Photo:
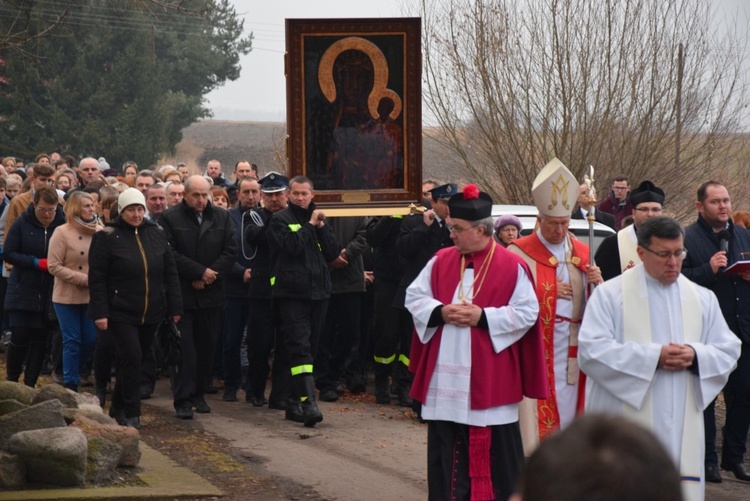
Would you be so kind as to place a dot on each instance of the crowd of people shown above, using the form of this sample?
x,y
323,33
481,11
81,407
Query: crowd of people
x,y
495,339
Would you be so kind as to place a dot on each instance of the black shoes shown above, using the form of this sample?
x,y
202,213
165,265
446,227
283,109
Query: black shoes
x,y
404,400
101,394
255,400
739,470
146,391
185,412
340,388
279,405
133,422
229,395
305,385
293,411
329,395
311,415
713,475
117,414
356,386
201,407
382,394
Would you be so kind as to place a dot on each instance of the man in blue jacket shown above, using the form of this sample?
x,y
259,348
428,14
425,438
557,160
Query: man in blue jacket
x,y
714,243
236,307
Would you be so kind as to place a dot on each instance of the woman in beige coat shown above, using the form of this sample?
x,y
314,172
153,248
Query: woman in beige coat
x,y
68,261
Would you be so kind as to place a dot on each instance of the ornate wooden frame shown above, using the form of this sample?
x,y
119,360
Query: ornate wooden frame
x,y
331,136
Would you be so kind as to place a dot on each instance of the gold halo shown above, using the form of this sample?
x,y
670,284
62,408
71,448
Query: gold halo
x,y
380,67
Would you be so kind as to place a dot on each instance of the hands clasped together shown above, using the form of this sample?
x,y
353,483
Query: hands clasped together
x,y
462,315
676,357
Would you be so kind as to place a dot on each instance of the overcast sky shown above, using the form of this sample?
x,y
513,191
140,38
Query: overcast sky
x,y
260,92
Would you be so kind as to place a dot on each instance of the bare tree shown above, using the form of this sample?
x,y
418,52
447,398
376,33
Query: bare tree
x,y
513,83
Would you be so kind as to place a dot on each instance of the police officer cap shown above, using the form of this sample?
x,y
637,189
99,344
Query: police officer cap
x,y
444,192
273,182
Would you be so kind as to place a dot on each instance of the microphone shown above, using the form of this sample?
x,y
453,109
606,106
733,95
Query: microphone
x,y
724,240
724,244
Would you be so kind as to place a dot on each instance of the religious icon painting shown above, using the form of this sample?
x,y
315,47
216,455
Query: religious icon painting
x,y
354,109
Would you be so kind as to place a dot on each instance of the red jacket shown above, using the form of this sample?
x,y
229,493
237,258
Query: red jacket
x,y
620,210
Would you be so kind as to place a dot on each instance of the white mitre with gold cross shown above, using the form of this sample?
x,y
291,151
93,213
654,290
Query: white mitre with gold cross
x,y
555,190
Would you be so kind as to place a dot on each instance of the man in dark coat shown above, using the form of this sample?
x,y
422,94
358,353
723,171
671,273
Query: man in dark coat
x,y
302,245
213,170
205,250
420,237
342,325
714,242
264,325
583,209
382,235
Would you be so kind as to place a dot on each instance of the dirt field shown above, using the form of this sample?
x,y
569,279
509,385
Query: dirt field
x,y
263,143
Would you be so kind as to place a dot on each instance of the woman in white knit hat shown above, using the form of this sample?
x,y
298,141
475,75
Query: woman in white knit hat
x,y
134,287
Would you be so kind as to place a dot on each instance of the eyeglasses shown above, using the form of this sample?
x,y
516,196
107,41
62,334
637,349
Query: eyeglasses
x,y
678,254
457,229
646,210
45,210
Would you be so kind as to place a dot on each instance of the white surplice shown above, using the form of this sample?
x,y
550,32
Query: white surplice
x,y
567,394
622,372
448,395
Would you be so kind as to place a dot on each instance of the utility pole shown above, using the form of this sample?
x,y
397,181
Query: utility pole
x,y
678,106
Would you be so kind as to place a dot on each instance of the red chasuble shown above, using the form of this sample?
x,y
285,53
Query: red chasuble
x,y
496,378
546,291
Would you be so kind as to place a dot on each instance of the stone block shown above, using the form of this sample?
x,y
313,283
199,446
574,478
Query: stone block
x,y
8,406
37,417
12,471
16,391
125,437
97,415
54,456
55,392
88,399
103,457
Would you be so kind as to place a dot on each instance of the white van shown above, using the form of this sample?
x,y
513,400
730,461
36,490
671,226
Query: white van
x,y
578,227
